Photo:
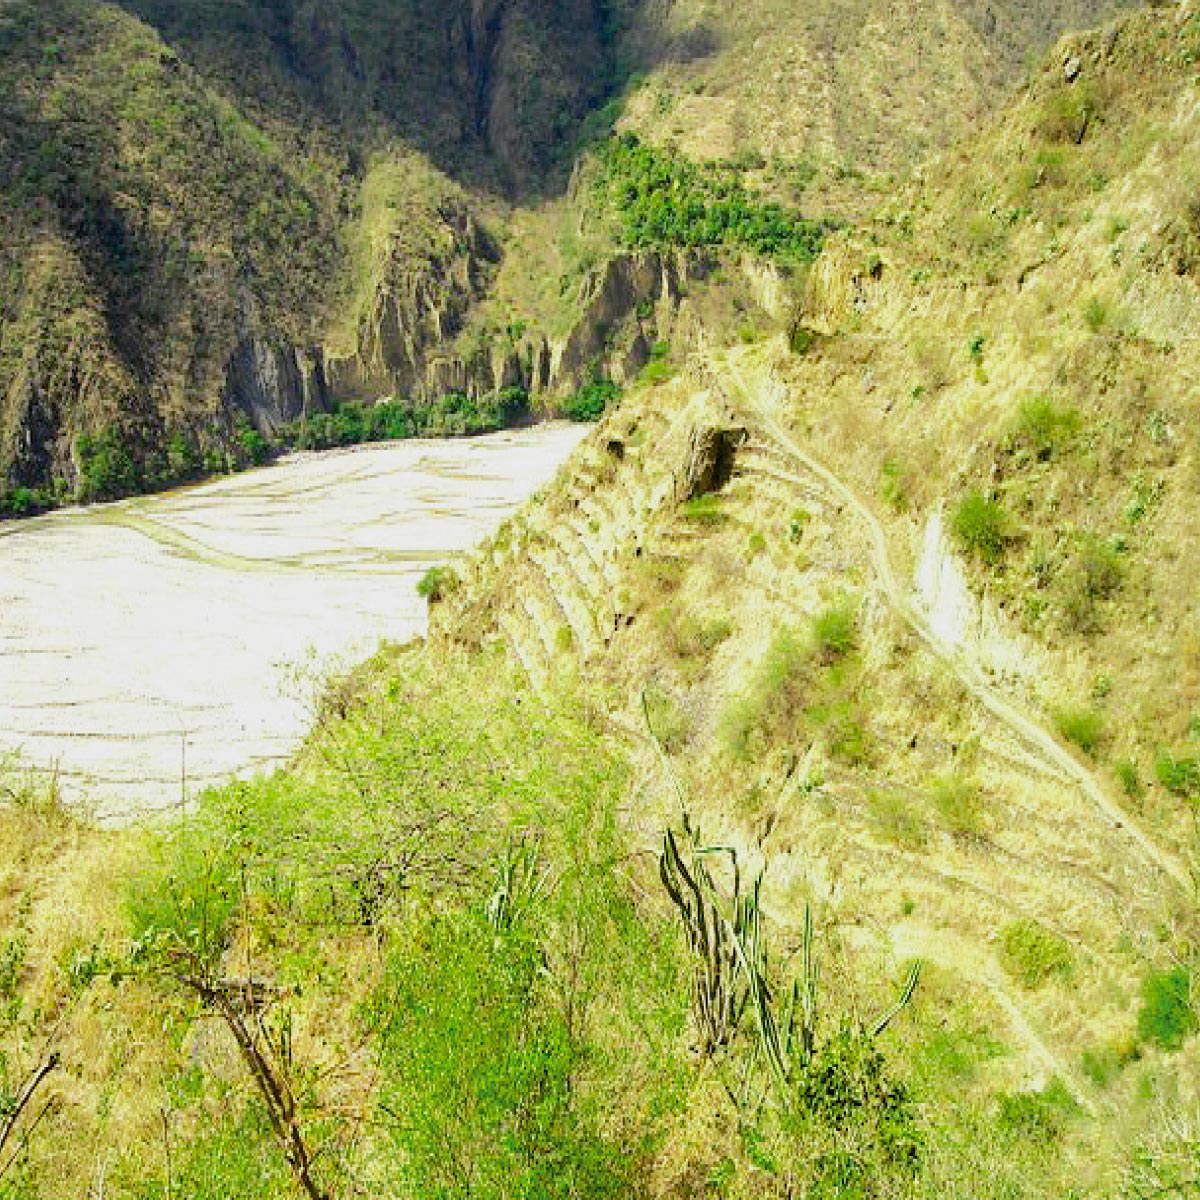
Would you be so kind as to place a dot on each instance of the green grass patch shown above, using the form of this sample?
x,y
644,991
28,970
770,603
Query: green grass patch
x,y
1033,955
835,631
1045,427
708,509
1083,727
1179,774
958,804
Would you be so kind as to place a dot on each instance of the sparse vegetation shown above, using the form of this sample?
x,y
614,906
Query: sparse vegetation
x,y
958,805
768,694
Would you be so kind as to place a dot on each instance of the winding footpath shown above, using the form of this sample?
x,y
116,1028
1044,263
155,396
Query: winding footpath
x,y
762,400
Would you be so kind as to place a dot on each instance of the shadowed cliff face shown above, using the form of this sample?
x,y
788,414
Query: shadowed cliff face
x,y
491,90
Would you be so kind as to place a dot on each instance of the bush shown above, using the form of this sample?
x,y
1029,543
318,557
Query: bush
x,y
1044,427
107,468
1038,1118
1031,954
980,527
436,584
850,1125
707,509
592,401
1096,573
958,804
1179,775
835,631
1126,771
1095,314
1083,726
1167,1017
479,1070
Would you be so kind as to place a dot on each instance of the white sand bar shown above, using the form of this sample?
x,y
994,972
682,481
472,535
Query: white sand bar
x,y
156,641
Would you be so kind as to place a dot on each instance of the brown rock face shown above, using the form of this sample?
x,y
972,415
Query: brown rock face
x,y
710,459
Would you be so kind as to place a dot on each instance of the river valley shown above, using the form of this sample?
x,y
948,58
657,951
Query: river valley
x,y
154,646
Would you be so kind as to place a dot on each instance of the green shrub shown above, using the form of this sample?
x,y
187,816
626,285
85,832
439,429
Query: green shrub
x,y
897,820
980,527
1104,1063
1126,770
107,468
479,1072
1082,726
1179,775
1095,574
1031,954
850,1126
1166,1016
592,401
250,447
893,485
1036,1118
835,631
1095,314
958,804
1044,426
708,509
849,738
436,584
231,1156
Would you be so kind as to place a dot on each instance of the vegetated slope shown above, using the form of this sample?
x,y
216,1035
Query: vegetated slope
x,y
831,99
927,655
447,919
223,223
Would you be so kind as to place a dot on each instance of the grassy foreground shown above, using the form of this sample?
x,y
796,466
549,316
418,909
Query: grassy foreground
x,y
433,959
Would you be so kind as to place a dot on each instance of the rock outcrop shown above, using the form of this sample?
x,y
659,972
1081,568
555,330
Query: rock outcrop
x,y
274,385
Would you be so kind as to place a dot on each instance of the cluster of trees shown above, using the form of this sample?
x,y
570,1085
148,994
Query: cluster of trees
x,y
453,415
664,199
112,466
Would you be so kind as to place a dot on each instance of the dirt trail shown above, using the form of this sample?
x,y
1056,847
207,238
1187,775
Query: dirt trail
x,y
762,397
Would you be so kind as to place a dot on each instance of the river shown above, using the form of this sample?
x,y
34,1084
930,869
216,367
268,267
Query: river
x,y
154,646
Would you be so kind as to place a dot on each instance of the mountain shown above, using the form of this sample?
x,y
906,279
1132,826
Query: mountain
x,y
221,217
797,798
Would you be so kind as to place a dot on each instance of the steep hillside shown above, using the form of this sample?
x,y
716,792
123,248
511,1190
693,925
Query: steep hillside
x,y
904,600
832,101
